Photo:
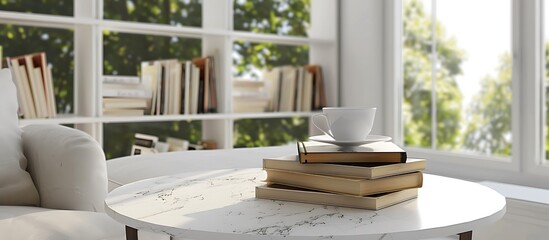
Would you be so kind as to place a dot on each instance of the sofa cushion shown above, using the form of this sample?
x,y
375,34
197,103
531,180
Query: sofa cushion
x,y
19,222
68,167
16,186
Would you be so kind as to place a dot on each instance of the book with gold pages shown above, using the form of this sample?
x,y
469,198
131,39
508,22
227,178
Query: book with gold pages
x,y
377,152
356,170
352,186
371,202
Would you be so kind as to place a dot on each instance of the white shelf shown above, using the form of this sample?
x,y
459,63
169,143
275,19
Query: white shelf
x,y
46,20
217,37
62,119
71,119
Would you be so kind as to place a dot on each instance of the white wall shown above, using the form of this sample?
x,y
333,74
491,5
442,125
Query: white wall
x,y
361,49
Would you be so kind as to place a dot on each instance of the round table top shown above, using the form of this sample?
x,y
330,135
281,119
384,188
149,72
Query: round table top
x,y
221,204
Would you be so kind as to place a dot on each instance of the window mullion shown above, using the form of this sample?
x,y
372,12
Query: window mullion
x,y
434,60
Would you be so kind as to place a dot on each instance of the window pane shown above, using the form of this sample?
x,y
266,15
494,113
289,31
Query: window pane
x,y
58,44
417,71
119,137
249,58
546,74
282,17
54,7
269,132
124,52
171,12
472,75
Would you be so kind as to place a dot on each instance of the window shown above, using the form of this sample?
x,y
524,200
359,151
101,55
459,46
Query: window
x,y
545,95
457,79
500,79
288,17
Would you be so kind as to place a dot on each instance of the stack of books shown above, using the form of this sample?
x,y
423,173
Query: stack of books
x,y
292,88
181,87
125,96
35,91
370,176
249,96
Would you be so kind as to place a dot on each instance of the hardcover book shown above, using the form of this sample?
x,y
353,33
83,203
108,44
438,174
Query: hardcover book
x,y
377,152
352,186
356,170
372,202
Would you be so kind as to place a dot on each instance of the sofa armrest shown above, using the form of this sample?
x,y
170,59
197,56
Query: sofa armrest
x,y
67,166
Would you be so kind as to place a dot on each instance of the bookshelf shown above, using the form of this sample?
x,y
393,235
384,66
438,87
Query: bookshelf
x,y
217,37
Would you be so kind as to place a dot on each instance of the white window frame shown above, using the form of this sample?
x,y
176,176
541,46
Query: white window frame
x,y
525,165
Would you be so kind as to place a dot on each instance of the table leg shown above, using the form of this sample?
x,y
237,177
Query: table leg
x,y
466,235
131,233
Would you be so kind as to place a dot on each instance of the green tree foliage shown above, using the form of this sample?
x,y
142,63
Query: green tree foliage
x,y
269,132
172,12
489,126
418,83
54,7
282,17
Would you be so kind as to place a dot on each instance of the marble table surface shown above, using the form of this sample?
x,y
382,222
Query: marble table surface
x,y
220,204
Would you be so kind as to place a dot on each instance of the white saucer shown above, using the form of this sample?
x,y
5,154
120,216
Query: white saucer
x,y
370,139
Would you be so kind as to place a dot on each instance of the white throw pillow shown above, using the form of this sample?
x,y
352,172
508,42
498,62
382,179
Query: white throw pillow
x,y
16,186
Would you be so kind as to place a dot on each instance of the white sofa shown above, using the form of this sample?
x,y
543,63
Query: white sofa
x,y
53,179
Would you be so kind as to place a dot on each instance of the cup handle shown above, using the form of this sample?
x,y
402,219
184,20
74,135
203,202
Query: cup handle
x,y
325,128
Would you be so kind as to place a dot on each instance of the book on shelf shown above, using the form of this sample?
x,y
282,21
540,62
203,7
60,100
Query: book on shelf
x,y
271,78
145,140
350,170
33,79
287,88
372,202
108,91
212,106
109,103
123,112
250,96
319,94
307,101
294,88
250,104
26,103
150,75
181,87
121,79
343,185
378,152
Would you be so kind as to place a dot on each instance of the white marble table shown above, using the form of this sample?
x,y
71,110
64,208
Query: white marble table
x,y
220,204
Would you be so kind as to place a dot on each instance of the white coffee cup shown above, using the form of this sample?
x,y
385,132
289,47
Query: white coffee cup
x,y
345,123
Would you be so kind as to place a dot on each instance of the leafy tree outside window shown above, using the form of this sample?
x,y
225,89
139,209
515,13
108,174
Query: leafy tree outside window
x,y
482,126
